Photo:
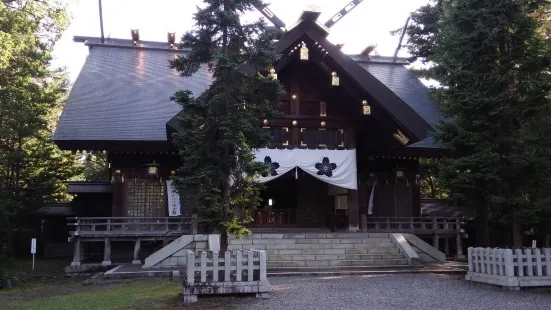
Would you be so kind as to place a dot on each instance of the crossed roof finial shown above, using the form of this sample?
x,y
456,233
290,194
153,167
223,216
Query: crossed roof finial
x,y
311,12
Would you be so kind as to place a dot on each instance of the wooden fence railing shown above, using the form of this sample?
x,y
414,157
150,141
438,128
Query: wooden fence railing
x,y
237,272
510,268
275,218
414,225
131,226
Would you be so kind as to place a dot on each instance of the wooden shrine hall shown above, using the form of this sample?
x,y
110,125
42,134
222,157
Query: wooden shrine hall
x,y
344,155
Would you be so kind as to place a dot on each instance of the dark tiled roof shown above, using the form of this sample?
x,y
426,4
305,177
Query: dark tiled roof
x,y
427,143
123,94
407,86
123,91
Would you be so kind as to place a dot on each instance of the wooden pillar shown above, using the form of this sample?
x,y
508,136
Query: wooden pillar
x,y
77,254
352,201
118,195
447,246
106,253
459,246
435,240
137,246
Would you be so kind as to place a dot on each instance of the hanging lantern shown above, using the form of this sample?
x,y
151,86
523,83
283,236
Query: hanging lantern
x,y
273,74
152,169
303,52
335,81
366,108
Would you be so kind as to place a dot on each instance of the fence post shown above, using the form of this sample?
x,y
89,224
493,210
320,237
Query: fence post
x,y
529,263
520,263
488,260
215,266
190,267
470,259
227,266
537,252
481,260
509,267
547,259
495,262
203,267
239,265
250,261
263,266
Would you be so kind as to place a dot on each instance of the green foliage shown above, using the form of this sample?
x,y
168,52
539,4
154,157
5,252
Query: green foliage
x,y
32,168
430,184
493,63
95,167
222,126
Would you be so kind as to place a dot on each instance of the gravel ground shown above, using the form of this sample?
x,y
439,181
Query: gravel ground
x,y
406,291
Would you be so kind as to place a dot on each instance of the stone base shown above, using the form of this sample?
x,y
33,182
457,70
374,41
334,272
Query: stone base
x,y
188,299
106,263
136,262
75,264
191,291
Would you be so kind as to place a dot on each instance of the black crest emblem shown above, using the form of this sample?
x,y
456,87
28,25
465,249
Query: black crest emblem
x,y
326,167
270,166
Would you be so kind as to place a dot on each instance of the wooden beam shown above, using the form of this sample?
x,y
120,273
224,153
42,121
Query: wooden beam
x,y
265,10
349,7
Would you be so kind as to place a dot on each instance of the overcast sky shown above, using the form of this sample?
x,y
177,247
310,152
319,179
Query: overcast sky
x,y
367,24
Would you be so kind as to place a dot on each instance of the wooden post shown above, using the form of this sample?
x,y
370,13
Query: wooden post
x,y
190,267
547,257
263,276
106,252
459,247
353,215
537,253
250,261
520,263
509,268
435,241
447,246
529,263
137,245
470,259
215,266
77,254
239,265
227,266
203,267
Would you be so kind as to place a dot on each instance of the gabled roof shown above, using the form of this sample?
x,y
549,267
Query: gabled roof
x,y
122,94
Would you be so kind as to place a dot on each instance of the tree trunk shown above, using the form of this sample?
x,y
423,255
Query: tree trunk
x,y
517,231
482,227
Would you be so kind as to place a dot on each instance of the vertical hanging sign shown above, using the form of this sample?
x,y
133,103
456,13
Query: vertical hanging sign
x,y
173,199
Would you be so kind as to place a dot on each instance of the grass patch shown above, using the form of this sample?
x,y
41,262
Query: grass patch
x,y
119,297
48,275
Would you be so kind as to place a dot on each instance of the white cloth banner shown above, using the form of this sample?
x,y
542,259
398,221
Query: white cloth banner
x,y
173,199
337,167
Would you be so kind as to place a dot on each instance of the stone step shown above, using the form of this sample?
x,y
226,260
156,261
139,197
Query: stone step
x,y
337,263
312,246
306,235
272,270
249,241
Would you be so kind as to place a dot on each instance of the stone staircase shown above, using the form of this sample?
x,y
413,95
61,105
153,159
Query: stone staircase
x,y
299,252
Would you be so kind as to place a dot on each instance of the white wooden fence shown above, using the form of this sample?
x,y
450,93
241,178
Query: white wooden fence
x,y
510,268
237,272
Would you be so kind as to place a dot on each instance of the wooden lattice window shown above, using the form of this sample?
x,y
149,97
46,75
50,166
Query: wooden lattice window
x,y
145,198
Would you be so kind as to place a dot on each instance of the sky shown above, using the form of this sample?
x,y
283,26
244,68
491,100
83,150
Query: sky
x,y
369,23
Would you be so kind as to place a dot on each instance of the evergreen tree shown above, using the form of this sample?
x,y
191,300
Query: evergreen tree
x,y
32,168
493,63
221,126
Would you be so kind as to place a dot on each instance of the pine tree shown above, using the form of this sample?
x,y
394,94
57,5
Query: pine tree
x,y
222,126
493,64
32,168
